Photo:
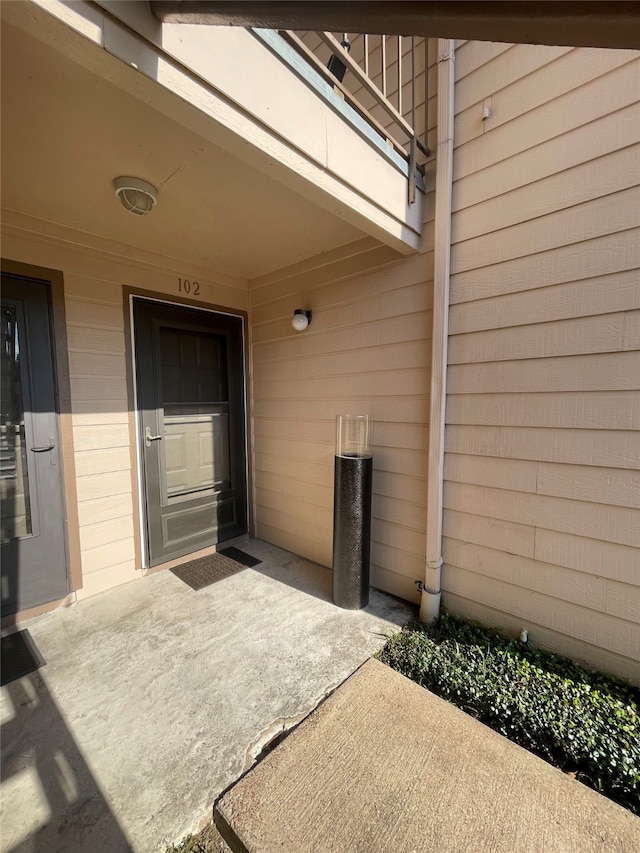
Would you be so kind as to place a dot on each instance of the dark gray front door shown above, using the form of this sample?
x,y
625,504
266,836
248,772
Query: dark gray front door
x,y
34,569
190,385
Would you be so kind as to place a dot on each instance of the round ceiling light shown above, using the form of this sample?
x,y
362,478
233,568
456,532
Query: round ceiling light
x,y
135,195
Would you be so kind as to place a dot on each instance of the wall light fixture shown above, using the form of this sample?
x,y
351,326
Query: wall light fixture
x,y
300,319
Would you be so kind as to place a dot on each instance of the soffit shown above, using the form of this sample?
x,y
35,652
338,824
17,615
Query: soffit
x,y
586,24
67,133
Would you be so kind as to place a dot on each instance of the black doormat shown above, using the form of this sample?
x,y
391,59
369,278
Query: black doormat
x,y
20,656
207,570
240,557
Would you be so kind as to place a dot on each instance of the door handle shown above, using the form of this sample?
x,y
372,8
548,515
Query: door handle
x,y
45,448
148,438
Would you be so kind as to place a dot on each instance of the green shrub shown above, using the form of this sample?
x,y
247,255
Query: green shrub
x,y
583,722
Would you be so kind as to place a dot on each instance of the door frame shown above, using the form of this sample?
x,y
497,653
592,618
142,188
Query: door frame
x,y
54,281
136,293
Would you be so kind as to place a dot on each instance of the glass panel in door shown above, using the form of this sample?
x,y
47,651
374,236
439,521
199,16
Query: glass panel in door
x,y
34,559
15,519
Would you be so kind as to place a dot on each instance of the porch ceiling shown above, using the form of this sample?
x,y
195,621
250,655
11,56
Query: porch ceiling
x,y
67,133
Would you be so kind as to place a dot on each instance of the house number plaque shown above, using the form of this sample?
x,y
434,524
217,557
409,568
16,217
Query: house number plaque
x,y
187,286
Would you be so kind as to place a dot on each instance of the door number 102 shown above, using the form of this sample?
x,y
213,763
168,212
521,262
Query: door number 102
x,y
186,286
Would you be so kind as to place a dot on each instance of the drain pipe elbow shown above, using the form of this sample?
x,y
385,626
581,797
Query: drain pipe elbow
x,y
430,603
431,595
431,589
430,607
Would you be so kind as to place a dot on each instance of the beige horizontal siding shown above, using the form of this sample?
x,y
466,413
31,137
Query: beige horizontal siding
x,y
366,255
497,72
557,80
590,626
583,410
595,218
566,515
105,501
390,435
619,487
588,590
528,162
602,448
588,297
490,471
272,322
95,510
582,183
601,334
471,56
409,410
542,490
484,529
551,638
102,579
100,436
106,533
598,257
619,562
591,372
400,356
367,350
100,461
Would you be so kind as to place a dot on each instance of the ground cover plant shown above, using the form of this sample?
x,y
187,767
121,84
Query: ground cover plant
x,y
585,723
208,840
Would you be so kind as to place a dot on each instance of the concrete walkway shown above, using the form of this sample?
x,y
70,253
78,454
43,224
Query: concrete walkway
x,y
384,766
155,698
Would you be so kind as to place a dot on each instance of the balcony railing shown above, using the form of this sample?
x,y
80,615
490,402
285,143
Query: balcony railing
x,y
383,78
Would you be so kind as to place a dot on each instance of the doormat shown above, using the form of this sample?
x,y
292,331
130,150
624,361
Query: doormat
x,y
240,557
207,570
20,656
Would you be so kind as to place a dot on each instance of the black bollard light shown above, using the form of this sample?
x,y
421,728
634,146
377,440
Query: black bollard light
x,y
352,512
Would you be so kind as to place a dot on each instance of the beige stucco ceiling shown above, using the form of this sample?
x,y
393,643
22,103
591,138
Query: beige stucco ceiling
x,y
67,133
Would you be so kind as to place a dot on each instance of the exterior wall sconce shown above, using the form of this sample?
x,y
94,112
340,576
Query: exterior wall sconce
x,y
135,195
300,319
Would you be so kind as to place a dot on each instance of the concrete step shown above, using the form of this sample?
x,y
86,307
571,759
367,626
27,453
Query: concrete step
x,y
384,765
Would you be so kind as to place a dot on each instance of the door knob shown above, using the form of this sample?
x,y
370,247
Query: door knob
x,y
148,438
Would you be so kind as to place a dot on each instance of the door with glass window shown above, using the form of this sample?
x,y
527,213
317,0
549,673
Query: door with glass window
x,y
34,565
190,384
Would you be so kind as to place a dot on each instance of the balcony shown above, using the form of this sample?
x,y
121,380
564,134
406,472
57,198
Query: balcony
x,y
268,99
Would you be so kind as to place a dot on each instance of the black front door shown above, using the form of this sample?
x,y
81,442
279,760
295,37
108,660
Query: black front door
x,y
190,384
34,568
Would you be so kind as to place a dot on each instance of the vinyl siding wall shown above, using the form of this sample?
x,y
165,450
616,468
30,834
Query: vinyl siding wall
x,y
95,272
542,489
367,351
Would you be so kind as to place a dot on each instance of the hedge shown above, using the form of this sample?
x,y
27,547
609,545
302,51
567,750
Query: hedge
x,y
583,722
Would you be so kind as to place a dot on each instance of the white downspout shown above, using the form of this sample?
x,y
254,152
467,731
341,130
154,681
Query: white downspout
x,y
430,602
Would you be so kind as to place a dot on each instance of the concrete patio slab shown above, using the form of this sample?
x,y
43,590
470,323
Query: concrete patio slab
x,y
155,698
384,766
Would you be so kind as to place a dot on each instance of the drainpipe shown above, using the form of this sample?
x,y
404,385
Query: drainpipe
x,y
430,602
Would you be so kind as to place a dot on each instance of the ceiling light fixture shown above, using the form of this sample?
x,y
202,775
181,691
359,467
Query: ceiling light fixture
x,y
135,195
300,319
